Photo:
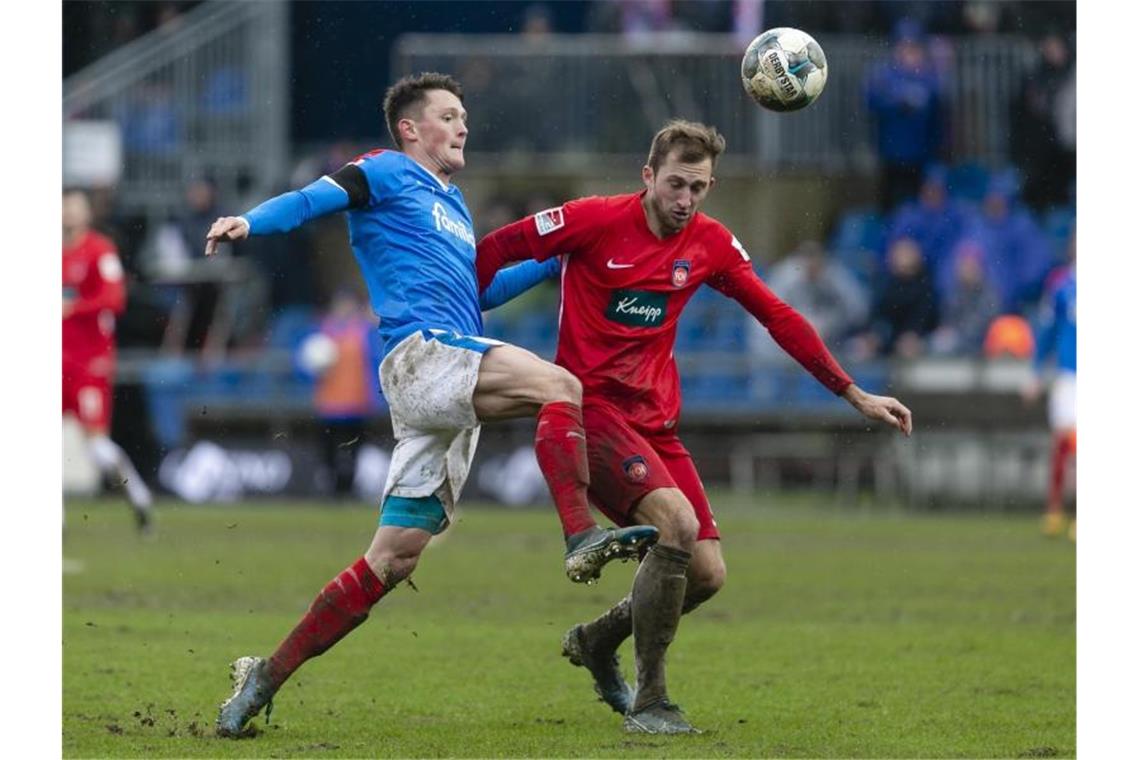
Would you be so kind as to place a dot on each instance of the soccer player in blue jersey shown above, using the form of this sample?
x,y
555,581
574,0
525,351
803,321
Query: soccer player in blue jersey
x,y
1057,341
412,236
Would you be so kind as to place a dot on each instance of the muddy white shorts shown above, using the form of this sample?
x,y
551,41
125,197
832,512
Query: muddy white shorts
x,y
1063,402
428,380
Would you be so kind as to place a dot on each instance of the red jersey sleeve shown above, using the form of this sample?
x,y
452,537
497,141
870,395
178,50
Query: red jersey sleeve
x,y
737,280
103,287
553,232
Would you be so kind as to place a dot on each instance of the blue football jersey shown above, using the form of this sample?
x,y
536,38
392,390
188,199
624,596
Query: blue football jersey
x,y
412,237
1058,336
414,241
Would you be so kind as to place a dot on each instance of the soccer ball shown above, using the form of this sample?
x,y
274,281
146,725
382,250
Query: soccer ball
x,y
784,69
317,353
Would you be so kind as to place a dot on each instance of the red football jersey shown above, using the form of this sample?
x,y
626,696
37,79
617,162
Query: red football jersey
x,y
93,293
623,290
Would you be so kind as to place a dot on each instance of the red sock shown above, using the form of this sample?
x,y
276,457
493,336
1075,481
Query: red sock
x,y
341,606
560,445
1063,445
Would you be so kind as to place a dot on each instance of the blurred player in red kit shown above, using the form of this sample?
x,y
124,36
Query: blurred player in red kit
x,y
630,263
93,293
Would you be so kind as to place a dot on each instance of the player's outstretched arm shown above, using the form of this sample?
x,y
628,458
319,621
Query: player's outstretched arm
x,y
515,280
283,213
882,408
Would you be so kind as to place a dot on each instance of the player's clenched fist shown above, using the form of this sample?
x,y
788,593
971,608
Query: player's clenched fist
x,y
227,228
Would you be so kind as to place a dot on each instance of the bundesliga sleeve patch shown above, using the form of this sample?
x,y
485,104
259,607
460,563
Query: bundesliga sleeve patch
x,y
550,220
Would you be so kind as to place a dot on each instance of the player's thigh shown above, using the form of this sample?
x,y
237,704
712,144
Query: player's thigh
x,y
429,378
1063,402
684,474
89,399
514,382
624,466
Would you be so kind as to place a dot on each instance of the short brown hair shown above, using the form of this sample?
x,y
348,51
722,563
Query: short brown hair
x,y
408,95
695,141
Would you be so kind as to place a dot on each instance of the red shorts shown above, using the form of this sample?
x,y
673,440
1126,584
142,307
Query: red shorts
x,y
625,466
87,395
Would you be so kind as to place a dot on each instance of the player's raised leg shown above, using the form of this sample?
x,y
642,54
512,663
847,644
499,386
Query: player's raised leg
x,y
514,382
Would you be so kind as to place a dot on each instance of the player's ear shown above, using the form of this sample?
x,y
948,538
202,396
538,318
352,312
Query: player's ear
x,y
407,129
647,175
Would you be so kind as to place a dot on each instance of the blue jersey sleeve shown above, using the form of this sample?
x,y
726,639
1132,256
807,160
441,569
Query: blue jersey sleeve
x,y
290,210
514,281
385,172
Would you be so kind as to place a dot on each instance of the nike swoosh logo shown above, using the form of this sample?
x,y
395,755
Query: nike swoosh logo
x,y
612,265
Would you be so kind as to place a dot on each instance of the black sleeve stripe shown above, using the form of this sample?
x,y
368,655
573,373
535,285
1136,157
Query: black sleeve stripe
x,y
351,177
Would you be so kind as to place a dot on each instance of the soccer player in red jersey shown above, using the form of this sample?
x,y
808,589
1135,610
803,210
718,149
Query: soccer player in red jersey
x,y
630,264
93,293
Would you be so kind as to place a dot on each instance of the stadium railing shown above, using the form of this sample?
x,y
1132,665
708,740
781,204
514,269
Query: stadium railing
x,y
596,95
207,98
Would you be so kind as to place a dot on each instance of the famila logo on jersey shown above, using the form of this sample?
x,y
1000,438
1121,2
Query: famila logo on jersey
x,y
444,223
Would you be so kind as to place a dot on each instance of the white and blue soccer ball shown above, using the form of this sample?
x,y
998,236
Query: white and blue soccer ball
x,y
784,69
317,354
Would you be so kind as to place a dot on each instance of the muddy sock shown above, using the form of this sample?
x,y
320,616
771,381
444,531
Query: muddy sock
x,y
657,597
612,627
615,625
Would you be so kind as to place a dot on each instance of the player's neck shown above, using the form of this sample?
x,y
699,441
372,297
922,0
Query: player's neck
x,y
651,220
71,237
431,167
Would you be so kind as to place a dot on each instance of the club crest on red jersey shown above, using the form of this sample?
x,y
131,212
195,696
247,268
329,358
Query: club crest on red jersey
x,y
636,468
680,272
550,220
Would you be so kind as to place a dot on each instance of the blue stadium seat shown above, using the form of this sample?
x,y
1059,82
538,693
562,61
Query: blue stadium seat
x,y
858,242
289,327
968,181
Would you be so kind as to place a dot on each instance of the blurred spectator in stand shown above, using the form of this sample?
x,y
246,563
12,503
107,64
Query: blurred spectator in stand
x,y
705,16
821,289
1017,251
534,78
636,20
1057,345
904,96
934,220
168,17
1043,138
150,123
344,355
970,304
906,306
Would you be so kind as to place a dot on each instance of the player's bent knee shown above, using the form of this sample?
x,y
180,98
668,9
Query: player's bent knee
x,y
680,530
708,579
561,385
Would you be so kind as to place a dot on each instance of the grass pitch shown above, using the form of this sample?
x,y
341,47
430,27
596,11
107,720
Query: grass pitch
x,y
840,633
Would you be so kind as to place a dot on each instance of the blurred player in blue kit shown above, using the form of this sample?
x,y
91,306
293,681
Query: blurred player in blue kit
x,y
1057,341
411,232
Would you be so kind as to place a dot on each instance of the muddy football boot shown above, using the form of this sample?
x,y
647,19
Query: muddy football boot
x,y
251,692
661,717
603,666
589,551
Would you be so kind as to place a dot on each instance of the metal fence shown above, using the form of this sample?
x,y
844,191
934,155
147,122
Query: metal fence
x,y
593,95
210,97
